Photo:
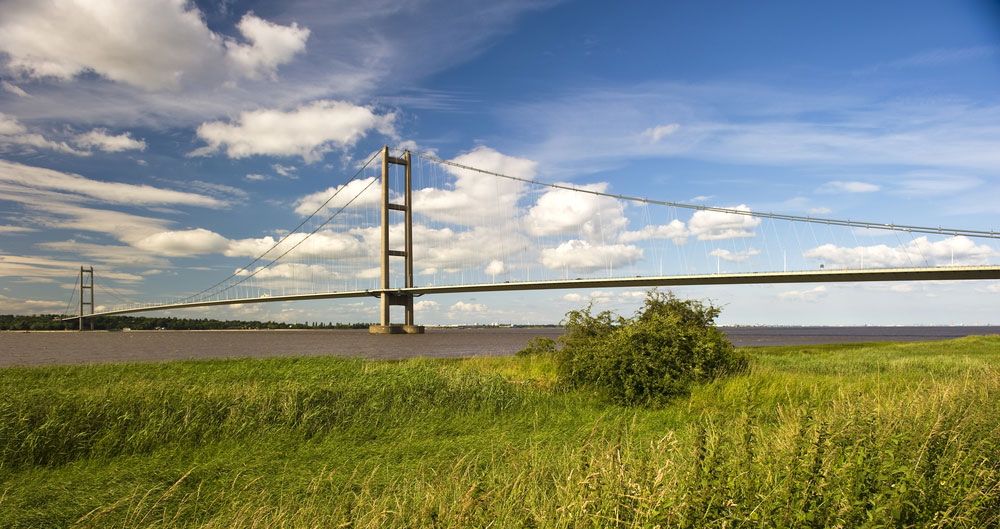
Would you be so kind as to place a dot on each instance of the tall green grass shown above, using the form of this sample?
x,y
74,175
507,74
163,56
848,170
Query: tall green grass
x,y
890,435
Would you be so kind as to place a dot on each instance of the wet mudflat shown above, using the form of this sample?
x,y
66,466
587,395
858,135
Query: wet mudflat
x,y
70,347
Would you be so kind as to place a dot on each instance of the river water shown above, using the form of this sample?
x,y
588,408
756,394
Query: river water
x,y
70,347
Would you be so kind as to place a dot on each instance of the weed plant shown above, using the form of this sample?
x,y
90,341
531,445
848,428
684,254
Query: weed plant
x,y
890,435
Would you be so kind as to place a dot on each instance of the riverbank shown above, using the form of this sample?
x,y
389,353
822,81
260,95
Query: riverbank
x,y
834,435
71,347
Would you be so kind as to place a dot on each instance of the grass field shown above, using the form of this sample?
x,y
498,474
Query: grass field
x,y
858,435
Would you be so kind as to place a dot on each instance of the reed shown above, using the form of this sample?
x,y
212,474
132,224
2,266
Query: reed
x,y
886,435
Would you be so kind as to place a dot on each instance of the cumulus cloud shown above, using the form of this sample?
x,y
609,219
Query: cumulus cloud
x,y
270,46
100,139
325,243
462,306
426,304
308,131
607,296
812,294
362,192
675,231
716,225
184,243
734,257
445,250
595,218
154,44
582,256
477,198
290,271
495,267
959,250
837,186
655,134
199,241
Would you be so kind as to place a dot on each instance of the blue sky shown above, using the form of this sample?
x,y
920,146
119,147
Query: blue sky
x,y
164,142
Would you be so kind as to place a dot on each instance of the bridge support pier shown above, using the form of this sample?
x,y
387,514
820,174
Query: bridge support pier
x,y
85,274
387,297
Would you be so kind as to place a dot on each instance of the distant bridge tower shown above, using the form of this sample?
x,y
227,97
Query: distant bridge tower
x,y
389,298
86,285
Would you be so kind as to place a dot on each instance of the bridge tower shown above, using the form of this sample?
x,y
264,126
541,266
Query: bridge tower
x,y
388,298
86,284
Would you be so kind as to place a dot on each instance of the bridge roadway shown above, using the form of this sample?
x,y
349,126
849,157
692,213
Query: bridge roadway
x,y
950,273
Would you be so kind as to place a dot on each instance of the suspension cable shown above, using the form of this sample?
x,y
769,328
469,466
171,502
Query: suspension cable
x,y
71,296
780,216
289,234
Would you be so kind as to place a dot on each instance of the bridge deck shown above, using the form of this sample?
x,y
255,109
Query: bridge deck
x,y
951,273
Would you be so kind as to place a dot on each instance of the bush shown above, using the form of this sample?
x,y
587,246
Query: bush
x,y
538,345
668,345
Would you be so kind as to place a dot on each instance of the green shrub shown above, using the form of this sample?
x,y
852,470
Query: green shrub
x,y
538,346
669,344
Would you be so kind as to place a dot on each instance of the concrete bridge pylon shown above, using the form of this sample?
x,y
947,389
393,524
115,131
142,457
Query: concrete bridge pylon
x,y
387,296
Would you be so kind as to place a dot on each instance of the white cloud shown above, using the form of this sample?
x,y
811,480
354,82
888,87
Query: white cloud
x,y
812,294
361,192
309,131
184,243
495,267
199,241
477,198
734,257
837,186
154,44
105,253
271,45
255,177
327,243
23,266
655,134
100,139
675,231
582,256
716,225
595,218
12,132
462,306
444,250
607,296
426,304
288,171
819,211
31,306
26,178
959,250
291,271
14,89
16,229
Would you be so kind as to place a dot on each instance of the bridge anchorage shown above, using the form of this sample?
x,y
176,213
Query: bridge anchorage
x,y
387,297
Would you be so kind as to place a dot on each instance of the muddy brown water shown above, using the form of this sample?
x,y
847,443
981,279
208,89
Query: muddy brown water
x,y
69,347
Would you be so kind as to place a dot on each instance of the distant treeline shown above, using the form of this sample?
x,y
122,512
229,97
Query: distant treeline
x,y
51,322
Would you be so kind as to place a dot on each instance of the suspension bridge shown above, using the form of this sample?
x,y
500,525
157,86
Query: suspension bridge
x,y
409,225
